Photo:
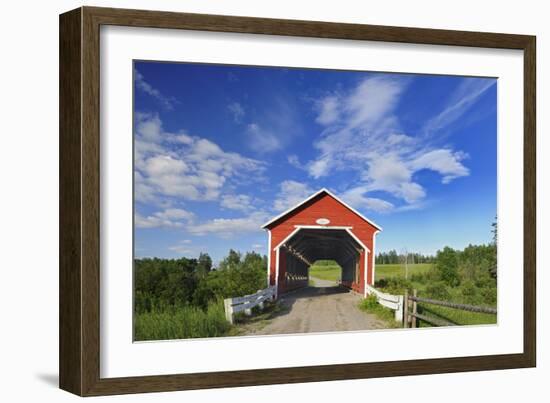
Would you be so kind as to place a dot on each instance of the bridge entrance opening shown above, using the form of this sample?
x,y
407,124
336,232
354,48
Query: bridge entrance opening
x,y
324,273
309,245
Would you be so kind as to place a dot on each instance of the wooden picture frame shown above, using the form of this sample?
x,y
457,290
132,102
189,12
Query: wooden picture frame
x,y
79,348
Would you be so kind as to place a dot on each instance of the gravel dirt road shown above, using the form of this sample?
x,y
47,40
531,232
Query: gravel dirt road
x,y
326,307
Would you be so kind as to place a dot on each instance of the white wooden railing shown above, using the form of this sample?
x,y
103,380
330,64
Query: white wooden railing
x,y
247,302
394,302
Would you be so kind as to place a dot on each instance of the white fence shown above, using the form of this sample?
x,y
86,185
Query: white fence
x,y
246,303
394,302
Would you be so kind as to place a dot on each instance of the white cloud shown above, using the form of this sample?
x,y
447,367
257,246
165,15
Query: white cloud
x,y
371,101
320,167
237,111
328,110
183,166
141,84
159,165
169,218
357,198
183,247
362,133
291,193
258,246
261,140
236,202
229,227
444,161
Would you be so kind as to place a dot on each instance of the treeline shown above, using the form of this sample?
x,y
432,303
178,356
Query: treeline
x,y
183,298
466,276
473,271
392,257
162,283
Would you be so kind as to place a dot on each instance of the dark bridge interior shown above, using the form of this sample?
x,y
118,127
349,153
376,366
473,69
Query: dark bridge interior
x,y
309,245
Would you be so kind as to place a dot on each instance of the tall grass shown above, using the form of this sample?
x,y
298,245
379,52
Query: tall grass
x,y
181,322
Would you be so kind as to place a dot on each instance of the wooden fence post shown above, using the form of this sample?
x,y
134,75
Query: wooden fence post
x,y
415,307
406,309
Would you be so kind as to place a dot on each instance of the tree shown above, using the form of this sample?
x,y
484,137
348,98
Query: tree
x,y
447,266
204,264
494,231
232,260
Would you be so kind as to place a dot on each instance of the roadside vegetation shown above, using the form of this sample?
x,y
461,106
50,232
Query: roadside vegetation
x,y
462,276
371,305
183,298
465,276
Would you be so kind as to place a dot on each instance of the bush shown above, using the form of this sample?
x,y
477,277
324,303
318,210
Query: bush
x,y
470,293
371,305
438,290
370,302
394,285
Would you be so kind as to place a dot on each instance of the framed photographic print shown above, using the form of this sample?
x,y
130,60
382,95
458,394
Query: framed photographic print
x,y
249,201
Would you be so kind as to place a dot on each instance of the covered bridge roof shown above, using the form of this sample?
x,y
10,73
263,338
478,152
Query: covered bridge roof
x,y
281,216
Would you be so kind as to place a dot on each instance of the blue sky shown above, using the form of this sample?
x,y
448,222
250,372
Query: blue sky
x,y
219,150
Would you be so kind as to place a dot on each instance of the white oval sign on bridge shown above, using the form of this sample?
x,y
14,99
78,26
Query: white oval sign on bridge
x,y
323,221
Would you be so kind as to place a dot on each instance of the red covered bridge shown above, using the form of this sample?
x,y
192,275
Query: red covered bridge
x,y
321,227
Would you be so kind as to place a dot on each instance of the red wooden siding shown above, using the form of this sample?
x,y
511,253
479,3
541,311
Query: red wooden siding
x,y
322,206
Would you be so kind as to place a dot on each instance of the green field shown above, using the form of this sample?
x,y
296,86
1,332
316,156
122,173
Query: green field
x,y
329,270
325,270
385,271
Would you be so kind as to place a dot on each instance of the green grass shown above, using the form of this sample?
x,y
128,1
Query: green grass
x,y
371,306
384,271
181,323
326,270
456,316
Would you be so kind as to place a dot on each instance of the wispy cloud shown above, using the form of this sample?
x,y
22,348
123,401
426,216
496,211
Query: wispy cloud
x,y
329,111
275,127
262,140
142,85
362,133
467,93
237,111
230,227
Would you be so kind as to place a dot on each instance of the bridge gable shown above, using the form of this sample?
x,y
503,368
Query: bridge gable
x,y
320,209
